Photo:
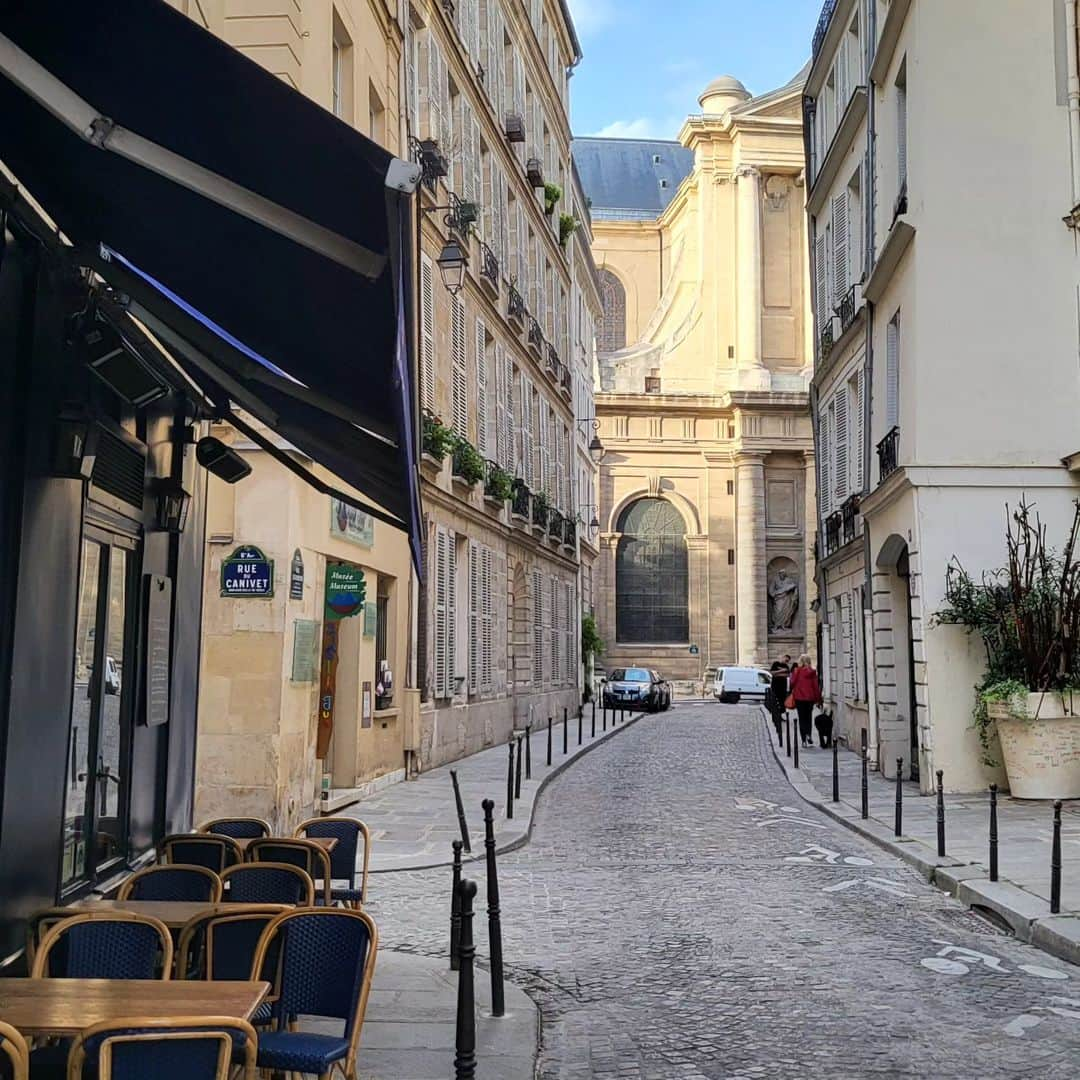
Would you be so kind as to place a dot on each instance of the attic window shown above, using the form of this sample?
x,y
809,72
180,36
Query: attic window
x,y
663,183
652,384
656,159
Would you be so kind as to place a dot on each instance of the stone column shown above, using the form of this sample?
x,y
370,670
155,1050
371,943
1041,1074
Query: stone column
x,y
697,551
748,310
750,563
605,602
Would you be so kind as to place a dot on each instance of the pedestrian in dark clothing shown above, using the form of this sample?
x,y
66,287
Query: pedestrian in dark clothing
x,y
806,693
780,671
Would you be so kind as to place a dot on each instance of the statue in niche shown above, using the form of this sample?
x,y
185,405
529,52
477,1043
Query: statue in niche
x,y
783,601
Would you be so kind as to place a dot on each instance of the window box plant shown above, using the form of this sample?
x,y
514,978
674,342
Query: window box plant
x,y
552,195
436,439
1028,615
499,485
468,466
568,225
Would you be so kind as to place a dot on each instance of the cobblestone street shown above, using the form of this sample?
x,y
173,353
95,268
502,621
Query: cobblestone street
x,y
679,913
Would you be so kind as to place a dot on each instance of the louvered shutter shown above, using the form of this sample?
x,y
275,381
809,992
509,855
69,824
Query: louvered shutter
x,y
901,132
500,407
841,79
468,152
523,253
436,93
824,451
411,88
543,464
848,645
538,629
440,634
451,614
487,620
821,272
552,636
459,377
477,182
860,428
481,388
519,90
840,437
840,245
474,617
496,81
509,434
427,333
892,373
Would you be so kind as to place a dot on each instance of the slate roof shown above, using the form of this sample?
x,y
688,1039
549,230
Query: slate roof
x,y
623,177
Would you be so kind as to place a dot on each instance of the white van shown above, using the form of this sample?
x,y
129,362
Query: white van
x,y
734,683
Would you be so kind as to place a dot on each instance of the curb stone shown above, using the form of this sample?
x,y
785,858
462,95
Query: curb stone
x,y
1028,916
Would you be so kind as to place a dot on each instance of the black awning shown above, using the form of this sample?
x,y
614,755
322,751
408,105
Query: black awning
x,y
242,205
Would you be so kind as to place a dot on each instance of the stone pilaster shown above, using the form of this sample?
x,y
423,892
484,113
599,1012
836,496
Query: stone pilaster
x,y
810,526
751,586
697,549
752,372
605,601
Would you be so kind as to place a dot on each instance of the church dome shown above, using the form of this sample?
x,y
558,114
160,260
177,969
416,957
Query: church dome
x,y
722,94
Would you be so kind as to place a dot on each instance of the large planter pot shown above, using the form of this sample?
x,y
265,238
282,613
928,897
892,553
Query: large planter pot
x,y
1041,746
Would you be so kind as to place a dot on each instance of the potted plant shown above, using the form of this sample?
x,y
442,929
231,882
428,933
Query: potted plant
x,y
541,506
568,225
436,439
499,485
552,195
468,464
1028,615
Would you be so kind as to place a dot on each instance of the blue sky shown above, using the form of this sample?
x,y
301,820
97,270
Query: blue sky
x,y
646,61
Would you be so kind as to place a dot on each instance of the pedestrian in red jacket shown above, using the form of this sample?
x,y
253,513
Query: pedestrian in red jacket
x,y
806,690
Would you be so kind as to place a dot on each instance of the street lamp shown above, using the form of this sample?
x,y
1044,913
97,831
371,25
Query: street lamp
x,y
452,262
594,524
596,447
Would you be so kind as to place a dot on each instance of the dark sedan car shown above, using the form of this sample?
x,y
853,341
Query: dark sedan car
x,y
637,688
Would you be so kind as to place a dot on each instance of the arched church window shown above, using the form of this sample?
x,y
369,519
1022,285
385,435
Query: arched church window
x,y
652,576
613,322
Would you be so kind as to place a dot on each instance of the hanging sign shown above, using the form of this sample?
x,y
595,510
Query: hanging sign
x,y
345,591
296,576
247,572
348,523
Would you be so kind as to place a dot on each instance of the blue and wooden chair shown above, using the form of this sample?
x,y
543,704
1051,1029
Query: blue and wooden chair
x,y
349,834
310,857
327,963
200,849
181,1048
14,1054
239,828
194,884
268,883
105,945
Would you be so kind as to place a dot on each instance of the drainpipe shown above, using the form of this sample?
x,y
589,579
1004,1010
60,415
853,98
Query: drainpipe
x,y
1073,90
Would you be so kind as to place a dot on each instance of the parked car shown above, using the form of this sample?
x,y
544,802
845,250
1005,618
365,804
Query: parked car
x,y
734,683
637,687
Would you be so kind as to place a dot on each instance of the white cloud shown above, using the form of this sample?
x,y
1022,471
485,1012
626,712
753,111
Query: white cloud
x,y
641,128
591,15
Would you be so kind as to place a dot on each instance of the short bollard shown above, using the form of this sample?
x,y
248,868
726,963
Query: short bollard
x,y
528,751
455,908
796,743
549,741
835,770
993,833
603,714
580,722
517,772
565,732
465,1043
1055,863
865,791
592,733
787,730
898,825
498,997
510,780
460,811
940,816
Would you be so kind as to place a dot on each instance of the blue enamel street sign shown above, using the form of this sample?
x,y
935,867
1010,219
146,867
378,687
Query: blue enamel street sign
x,y
247,572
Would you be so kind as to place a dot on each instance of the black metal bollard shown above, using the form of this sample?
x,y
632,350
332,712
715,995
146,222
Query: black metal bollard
x,y
1055,863
549,741
993,833
603,713
528,751
940,816
865,792
455,908
465,1043
796,743
898,826
835,770
460,811
510,780
787,730
498,997
565,732
592,733
517,773
580,722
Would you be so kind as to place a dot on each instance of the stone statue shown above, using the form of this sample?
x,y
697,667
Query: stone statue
x,y
783,602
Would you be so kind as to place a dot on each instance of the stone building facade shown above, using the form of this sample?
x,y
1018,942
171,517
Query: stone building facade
x,y
707,487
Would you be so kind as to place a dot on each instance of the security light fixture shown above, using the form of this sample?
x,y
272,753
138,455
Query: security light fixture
x,y
115,361
74,444
224,462
171,505
452,262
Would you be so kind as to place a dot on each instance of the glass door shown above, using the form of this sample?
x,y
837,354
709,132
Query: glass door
x,y
95,813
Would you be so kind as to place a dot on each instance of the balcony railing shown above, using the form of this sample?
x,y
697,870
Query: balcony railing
x,y
515,304
520,499
555,525
551,359
566,381
569,533
887,453
489,266
540,511
822,27
827,339
850,512
432,161
462,215
901,204
536,335
834,525
849,308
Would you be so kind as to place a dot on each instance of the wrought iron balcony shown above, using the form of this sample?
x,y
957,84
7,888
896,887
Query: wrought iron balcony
x,y
834,525
551,358
822,27
432,161
827,339
462,215
887,453
555,524
849,307
534,172
515,305
901,204
520,499
535,335
566,382
540,512
514,127
569,533
489,266
850,512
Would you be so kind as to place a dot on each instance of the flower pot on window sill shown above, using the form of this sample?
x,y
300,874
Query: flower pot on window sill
x,y
1040,744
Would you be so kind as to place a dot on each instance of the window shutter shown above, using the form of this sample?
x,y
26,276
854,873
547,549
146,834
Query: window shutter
x,y
860,425
840,438
901,131
487,620
451,614
840,245
427,333
538,629
441,563
519,86
824,454
474,618
481,388
821,272
524,284
892,374
477,183
848,645
527,441
552,636
436,92
460,376
411,88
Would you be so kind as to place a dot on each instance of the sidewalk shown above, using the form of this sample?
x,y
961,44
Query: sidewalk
x,y
1021,896
413,823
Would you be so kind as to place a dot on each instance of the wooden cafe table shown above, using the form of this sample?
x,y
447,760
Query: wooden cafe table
x,y
173,913
327,843
64,1007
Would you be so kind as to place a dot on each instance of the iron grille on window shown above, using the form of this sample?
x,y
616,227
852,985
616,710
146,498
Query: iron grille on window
x,y
834,525
849,512
489,265
887,453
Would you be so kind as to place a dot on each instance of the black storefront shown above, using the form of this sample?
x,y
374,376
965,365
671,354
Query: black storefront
x,y
208,244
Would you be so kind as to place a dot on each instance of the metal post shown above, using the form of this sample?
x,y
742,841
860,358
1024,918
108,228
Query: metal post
x,y
549,741
528,751
592,733
835,770
865,779
460,811
510,780
498,998
993,833
517,773
465,1043
899,824
796,743
1055,863
787,730
940,816
580,722
603,714
455,908
565,732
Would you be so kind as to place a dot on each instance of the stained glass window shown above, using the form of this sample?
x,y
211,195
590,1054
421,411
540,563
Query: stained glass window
x,y
652,575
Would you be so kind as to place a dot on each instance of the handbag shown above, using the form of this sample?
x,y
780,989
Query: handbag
x,y
790,702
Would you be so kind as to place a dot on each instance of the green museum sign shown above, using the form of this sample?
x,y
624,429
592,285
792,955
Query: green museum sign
x,y
345,591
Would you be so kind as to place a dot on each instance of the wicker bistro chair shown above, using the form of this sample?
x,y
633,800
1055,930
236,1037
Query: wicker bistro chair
x,y
194,884
327,963
105,945
183,1048
269,883
200,849
239,828
14,1054
311,858
348,832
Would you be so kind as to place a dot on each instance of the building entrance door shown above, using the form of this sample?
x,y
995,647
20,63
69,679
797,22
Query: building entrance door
x,y
96,797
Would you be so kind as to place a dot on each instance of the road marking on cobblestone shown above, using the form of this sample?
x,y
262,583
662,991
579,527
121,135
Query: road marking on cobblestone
x,y
816,854
956,960
1021,1025
787,819
881,884
1043,973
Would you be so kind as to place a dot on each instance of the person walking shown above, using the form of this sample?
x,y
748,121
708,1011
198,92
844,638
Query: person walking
x,y
806,693
780,671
